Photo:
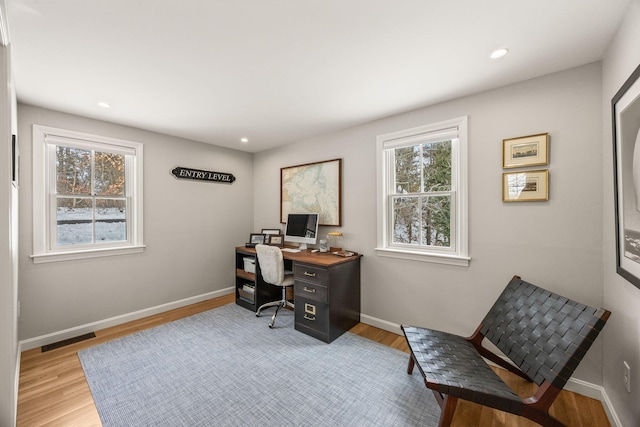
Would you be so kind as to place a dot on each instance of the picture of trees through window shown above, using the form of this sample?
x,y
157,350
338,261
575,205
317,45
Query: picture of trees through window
x,y
422,203
90,196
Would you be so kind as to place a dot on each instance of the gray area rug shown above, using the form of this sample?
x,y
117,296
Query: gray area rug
x,y
225,367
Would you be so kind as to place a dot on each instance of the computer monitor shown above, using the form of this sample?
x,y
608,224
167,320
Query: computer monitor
x,y
301,228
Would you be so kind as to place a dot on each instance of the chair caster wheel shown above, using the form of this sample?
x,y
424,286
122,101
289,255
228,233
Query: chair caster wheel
x,y
270,326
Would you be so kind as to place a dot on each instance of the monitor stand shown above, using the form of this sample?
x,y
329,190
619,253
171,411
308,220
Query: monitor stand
x,y
302,246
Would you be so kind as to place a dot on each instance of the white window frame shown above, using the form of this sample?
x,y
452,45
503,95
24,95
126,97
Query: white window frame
x,y
458,254
44,141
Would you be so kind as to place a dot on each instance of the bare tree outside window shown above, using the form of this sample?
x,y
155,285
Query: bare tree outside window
x,y
421,205
90,196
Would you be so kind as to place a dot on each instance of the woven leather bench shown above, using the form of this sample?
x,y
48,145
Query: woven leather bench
x,y
544,334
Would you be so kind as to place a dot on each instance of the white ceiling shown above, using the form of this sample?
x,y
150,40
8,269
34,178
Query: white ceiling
x,y
280,71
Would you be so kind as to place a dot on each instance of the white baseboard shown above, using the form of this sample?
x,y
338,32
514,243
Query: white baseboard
x,y
595,392
574,385
381,324
614,420
54,337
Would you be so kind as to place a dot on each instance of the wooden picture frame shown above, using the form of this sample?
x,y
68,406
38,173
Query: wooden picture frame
x,y
532,150
257,238
271,231
525,186
625,110
312,187
276,239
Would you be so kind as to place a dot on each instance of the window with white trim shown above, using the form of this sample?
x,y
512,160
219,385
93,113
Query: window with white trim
x,y
422,193
87,195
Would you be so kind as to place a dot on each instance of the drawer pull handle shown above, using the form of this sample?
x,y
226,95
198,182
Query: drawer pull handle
x,y
311,291
310,318
306,273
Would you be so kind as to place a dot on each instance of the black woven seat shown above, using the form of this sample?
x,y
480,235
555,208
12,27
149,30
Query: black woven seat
x,y
544,334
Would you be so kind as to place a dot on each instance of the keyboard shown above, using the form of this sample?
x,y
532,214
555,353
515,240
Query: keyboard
x,y
290,250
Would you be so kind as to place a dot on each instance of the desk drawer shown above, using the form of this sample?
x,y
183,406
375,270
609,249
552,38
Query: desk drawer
x,y
311,290
312,314
311,273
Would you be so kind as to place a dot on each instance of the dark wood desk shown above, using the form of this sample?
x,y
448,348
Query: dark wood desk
x,y
326,290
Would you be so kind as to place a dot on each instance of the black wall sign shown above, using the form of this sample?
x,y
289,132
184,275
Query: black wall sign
x,y
200,175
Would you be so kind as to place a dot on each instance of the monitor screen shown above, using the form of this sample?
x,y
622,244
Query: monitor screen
x,y
302,228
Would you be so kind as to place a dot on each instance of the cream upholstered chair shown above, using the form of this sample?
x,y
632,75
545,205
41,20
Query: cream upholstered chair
x,y
272,269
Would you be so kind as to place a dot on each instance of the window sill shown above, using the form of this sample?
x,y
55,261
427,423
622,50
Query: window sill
x,y
424,257
84,254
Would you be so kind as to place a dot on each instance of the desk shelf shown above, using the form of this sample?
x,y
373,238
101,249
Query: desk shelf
x,y
251,277
262,292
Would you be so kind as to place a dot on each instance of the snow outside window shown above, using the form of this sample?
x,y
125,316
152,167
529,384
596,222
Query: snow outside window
x,y
87,195
422,193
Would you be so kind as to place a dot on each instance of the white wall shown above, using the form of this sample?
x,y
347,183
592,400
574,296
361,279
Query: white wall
x,y
622,340
9,357
190,230
555,244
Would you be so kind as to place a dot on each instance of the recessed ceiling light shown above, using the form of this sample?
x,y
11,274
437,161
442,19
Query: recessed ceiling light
x,y
499,53
244,140
104,104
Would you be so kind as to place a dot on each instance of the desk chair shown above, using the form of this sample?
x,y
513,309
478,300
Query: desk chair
x,y
272,269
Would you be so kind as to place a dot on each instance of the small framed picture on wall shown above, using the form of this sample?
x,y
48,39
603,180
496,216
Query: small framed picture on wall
x,y
532,150
525,186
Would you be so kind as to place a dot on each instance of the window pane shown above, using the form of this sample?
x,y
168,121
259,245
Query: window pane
x,y
73,170
407,168
436,159
436,220
406,220
109,174
74,217
111,225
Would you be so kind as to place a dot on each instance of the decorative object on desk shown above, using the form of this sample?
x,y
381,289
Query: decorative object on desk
x,y
336,241
625,107
312,187
203,175
275,239
525,186
345,254
255,239
532,150
323,245
194,354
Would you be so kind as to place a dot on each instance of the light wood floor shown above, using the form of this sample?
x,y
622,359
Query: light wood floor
x,y
54,392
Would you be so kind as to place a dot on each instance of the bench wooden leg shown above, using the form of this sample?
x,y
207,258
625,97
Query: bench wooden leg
x,y
448,409
411,365
536,408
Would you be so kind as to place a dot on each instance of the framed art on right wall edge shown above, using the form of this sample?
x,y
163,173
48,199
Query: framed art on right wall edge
x,y
525,186
625,107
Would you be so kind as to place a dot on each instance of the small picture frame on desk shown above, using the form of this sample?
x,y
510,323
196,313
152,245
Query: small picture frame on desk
x,y
257,238
276,239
